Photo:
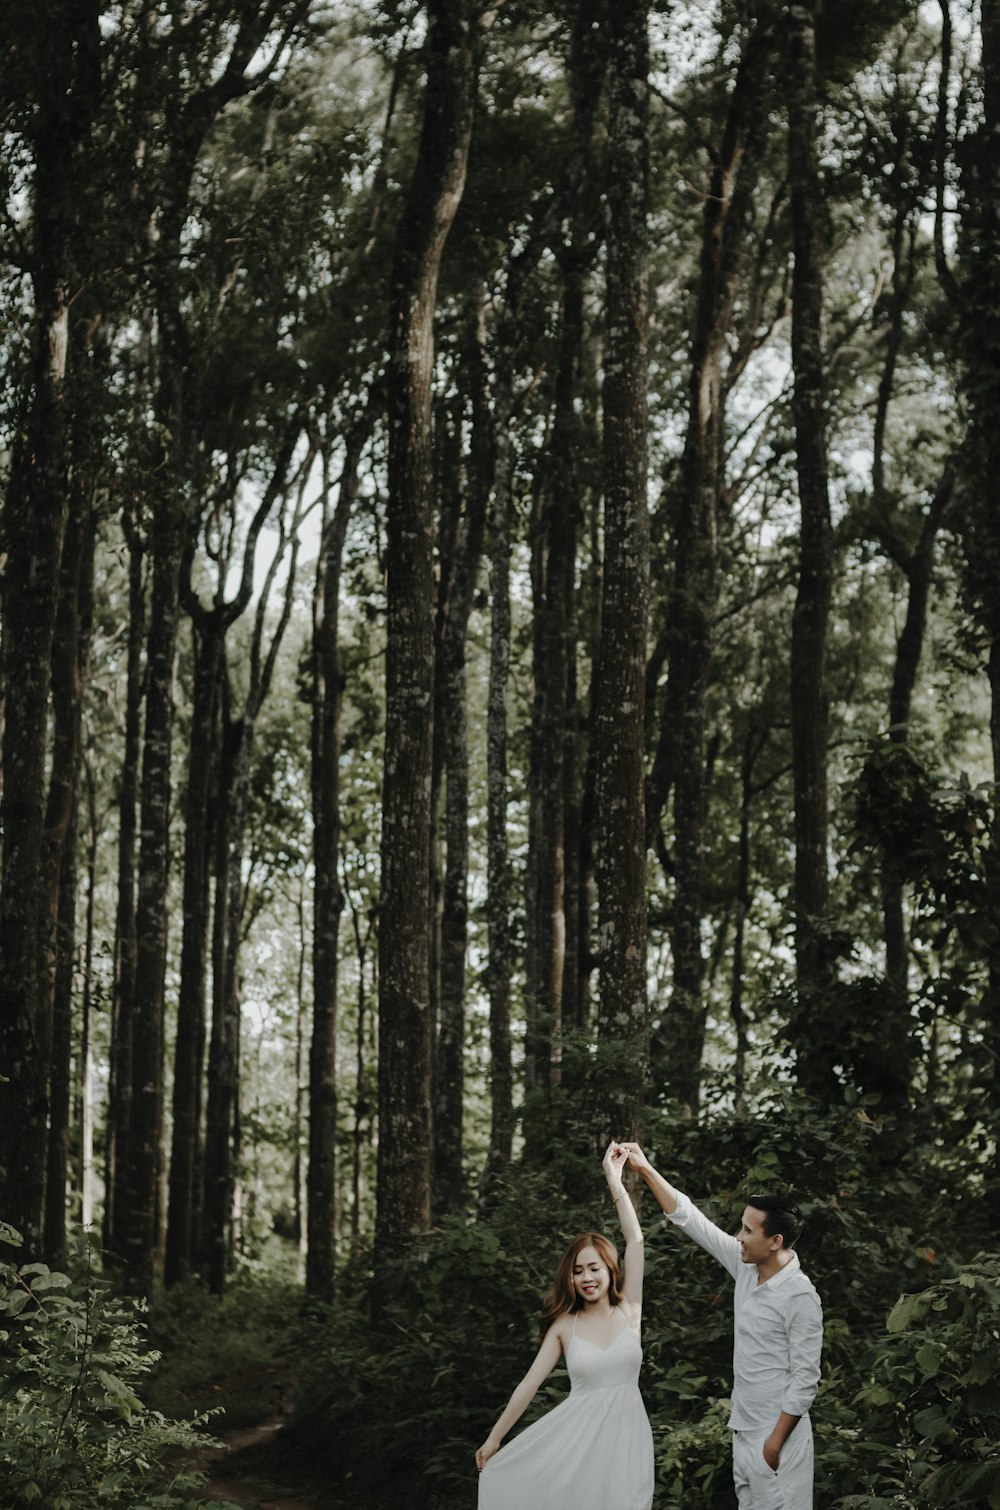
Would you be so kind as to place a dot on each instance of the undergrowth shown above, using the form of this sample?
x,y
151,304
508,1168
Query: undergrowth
x,y
74,1428
213,1346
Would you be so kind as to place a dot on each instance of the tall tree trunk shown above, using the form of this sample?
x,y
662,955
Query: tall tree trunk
x,y
449,1066
119,1110
810,713
197,94
299,1163
623,1025
61,1072
403,1207
553,776
140,1216
447,423
680,756
212,1186
223,1052
57,83
362,1109
917,566
499,964
172,525
208,634
553,575
71,654
85,1078
753,743
546,920
328,900
223,1112
209,627
992,1002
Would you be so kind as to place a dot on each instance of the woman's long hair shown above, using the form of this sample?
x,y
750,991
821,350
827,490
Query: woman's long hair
x,y
562,1299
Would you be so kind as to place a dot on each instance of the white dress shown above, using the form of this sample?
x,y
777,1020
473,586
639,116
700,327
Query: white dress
x,y
594,1451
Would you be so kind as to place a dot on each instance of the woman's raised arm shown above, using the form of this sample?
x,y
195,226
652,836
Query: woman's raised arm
x,y
614,1163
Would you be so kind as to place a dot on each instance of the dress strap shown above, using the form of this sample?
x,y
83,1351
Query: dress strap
x,y
575,1315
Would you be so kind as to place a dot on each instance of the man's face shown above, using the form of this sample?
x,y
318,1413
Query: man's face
x,y
755,1246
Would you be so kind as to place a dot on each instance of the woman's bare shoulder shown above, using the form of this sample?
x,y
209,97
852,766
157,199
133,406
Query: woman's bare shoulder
x,y
562,1328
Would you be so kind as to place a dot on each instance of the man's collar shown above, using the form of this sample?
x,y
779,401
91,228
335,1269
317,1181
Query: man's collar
x,y
792,1266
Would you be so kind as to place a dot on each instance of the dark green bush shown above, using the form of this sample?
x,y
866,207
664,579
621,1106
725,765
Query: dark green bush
x,y
73,1429
927,1427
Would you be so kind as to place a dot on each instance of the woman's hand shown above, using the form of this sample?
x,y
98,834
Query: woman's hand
x,y
613,1163
485,1452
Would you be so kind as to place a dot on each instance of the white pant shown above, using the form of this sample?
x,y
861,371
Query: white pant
x,y
759,1487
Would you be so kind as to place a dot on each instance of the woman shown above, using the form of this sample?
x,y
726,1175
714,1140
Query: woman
x,y
595,1450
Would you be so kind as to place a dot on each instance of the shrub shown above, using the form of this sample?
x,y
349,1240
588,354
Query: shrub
x,y
73,1430
928,1423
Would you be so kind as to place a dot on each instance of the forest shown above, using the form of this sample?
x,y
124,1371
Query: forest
x,y
499,651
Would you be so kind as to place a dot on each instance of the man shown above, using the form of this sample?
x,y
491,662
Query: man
x,y
777,1340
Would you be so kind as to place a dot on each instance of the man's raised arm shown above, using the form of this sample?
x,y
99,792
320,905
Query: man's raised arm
x,y
680,1212
661,1188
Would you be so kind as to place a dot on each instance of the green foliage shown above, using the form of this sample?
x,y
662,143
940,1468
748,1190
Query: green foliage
x,y
848,36
929,1407
934,834
855,1037
73,1428
692,1458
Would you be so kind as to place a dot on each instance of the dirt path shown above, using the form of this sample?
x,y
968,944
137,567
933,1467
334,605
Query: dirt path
x,y
237,1473
253,1468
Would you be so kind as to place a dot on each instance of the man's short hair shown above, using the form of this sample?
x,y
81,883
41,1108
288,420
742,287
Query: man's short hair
x,y
781,1215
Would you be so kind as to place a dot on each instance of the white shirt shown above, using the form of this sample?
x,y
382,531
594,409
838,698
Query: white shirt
x,y
777,1329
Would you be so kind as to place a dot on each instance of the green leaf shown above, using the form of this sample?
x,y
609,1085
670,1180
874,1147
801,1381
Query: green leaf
x,y
980,1370
907,1310
929,1359
51,1282
932,1422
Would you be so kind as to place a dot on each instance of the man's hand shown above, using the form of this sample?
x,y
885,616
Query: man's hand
x,y
636,1158
662,1189
772,1452
781,1431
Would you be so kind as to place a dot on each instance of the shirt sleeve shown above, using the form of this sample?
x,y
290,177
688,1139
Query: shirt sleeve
x,y
696,1225
805,1345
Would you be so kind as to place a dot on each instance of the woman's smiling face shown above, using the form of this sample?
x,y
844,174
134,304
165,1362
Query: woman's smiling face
x,y
591,1279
